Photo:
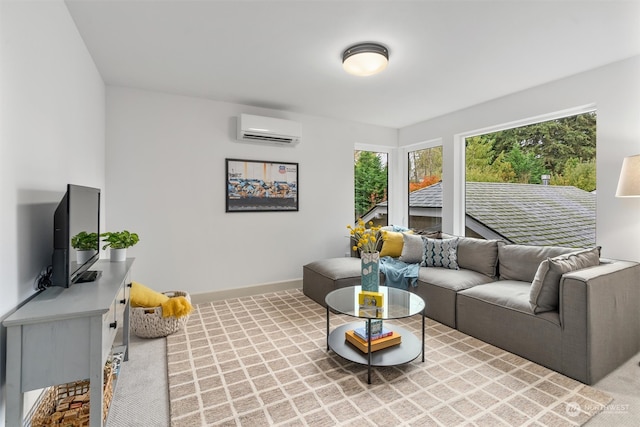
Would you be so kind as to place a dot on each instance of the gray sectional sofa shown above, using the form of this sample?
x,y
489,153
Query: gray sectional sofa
x,y
562,308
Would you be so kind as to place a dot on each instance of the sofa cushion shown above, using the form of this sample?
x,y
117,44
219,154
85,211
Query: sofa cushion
x,y
545,288
412,249
521,262
455,280
479,255
476,254
512,294
336,268
440,253
391,244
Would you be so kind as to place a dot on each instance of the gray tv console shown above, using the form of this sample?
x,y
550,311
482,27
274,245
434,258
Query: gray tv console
x,y
66,334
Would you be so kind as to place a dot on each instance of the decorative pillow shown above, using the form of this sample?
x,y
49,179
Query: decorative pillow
x,y
412,249
392,243
478,255
475,254
545,288
440,253
520,262
142,296
431,234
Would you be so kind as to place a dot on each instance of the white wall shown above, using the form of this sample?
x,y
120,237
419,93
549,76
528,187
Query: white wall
x,y
165,157
52,125
166,181
615,92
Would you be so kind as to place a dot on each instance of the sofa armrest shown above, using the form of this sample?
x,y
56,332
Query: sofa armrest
x,y
600,318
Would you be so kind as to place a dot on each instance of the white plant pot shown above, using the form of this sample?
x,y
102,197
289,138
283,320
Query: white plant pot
x,y
118,255
84,256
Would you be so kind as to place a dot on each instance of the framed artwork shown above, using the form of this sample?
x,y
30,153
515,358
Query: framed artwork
x,y
261,186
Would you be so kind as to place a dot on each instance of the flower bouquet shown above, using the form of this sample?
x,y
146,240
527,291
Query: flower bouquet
x,y
366,244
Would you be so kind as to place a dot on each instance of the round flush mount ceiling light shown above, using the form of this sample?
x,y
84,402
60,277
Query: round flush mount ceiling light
x,y
365,59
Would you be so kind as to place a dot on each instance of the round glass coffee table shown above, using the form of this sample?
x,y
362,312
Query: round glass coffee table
x,y
397,304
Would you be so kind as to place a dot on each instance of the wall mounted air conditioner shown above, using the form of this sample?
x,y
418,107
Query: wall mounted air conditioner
x,y
268,130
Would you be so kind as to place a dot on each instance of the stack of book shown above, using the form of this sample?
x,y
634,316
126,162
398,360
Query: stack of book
x,y
386,338
376,332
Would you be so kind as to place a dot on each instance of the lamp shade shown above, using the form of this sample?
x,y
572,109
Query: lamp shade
x,y
629,182
365,59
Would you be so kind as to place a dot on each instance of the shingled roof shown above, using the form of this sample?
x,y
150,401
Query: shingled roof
x,y
523,213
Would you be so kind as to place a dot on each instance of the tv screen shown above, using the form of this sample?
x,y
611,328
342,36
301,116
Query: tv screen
x,y
76,234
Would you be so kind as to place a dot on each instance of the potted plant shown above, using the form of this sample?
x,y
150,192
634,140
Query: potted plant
x,y
86,246
118,242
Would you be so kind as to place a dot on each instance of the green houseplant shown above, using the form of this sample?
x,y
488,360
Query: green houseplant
x,y
84,241
118,242
86,245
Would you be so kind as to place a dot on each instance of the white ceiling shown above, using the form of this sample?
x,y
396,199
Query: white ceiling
x,y
444,55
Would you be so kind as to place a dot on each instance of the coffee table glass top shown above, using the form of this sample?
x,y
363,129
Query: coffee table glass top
x,y
397,303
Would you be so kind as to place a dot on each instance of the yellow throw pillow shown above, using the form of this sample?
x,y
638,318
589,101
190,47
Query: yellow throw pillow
x,y
142,296
392,244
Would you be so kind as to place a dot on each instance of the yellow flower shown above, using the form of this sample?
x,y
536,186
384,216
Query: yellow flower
x,y
365,238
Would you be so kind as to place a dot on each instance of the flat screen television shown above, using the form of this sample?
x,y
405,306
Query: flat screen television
x,y
77,220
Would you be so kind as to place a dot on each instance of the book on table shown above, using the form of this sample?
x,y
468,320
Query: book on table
x,y
376,327
362,333
379,344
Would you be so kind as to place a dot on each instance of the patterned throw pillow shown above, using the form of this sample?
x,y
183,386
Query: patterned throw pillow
x,y
440,253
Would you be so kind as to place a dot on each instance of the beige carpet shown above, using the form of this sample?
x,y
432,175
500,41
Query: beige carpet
x,y
262,360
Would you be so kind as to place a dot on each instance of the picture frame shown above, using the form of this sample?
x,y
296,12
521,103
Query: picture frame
x,y
261,186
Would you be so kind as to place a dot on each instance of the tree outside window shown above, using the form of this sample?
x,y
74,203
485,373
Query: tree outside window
x,y
371,186
425,173
534,184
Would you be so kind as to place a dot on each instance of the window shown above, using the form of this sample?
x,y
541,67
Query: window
x,y
424,168
371,176
534,184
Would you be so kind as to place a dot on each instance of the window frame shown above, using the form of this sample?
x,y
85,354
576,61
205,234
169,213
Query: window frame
x,y
459,158
391,153
404,158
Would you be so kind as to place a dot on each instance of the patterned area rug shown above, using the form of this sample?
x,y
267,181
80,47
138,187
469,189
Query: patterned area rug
x,y
262,360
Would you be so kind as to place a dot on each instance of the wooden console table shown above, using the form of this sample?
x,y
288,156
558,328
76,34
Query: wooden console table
x,y
67,334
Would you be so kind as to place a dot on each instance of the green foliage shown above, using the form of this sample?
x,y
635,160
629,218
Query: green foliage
x,y
578,174
553,141
370,176
563,148
84,241
119,239
527,168
480,158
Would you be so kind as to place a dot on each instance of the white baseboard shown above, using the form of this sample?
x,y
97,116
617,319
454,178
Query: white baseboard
x,y
246,291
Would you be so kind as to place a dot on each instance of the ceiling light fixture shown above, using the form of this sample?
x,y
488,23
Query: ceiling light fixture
x,y
365,59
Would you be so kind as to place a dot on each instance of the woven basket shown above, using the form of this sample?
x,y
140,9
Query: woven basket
x,y
68,405
149,323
